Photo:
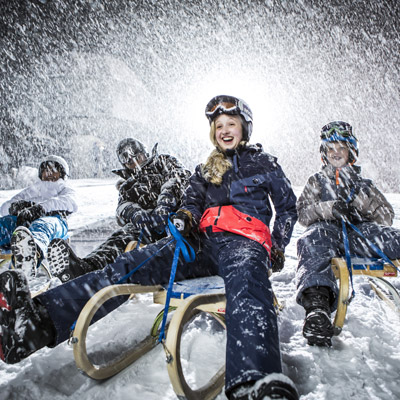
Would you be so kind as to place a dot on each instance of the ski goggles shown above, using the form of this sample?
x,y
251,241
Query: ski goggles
x,y
223,107
342,130
128,156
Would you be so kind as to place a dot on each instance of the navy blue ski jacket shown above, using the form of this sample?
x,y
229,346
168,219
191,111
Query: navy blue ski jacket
x,y
249,186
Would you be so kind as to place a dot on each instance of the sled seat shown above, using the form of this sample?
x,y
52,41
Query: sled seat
x,y
377,270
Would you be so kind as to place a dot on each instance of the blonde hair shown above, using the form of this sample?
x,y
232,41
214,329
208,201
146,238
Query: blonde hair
x,y
217,162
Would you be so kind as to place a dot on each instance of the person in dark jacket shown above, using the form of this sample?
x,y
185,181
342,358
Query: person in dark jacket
x,y
225,214
151,187
335,193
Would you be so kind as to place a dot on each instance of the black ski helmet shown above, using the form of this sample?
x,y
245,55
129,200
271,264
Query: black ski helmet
x,y
130,147
54,161
339,131
224,104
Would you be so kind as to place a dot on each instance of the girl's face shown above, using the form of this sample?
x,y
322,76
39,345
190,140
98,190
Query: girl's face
x,y
228,131
337,154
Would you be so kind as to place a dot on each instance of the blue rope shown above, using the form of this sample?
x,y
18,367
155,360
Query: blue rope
x,y
373,246
348,257
189,255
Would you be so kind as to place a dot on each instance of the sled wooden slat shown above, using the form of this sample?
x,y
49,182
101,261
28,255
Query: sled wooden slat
x,y
375,270
212,303
85,317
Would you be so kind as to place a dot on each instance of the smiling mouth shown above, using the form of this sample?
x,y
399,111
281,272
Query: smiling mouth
x,y
227,139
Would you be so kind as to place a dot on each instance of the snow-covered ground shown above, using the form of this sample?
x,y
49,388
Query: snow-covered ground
x,y
363,363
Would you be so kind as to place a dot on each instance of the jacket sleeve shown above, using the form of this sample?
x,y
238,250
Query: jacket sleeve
x,y
64,201
175,182
284,201
24,194
194,197
310,208
373,205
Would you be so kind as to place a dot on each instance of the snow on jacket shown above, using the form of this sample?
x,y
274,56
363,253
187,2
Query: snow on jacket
x,y
54,197
159,184
330,184
254,179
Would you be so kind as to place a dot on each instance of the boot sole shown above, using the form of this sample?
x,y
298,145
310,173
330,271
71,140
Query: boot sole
x,y
24,249
58,257
318,329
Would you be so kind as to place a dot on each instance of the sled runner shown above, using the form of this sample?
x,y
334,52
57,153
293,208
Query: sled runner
x,y
376,270
191,297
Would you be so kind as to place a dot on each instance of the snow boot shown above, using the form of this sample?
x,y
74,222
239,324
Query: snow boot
x,y
266,388
25,325
318,328
64,263
25,251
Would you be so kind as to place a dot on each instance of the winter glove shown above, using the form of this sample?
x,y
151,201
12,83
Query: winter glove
x,y
277,259
341,209
142,220
27,216
182,222
18,206
159,218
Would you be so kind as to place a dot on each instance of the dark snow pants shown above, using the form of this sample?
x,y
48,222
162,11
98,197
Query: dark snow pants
x,y
252,331
324,240
116,244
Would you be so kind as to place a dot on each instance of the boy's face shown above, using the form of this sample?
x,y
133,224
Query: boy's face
x,y
337,154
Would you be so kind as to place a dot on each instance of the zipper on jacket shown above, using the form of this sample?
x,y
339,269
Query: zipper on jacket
x,y
219,214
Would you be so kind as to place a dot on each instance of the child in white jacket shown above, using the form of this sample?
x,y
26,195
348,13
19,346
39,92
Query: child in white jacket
x,y
37,215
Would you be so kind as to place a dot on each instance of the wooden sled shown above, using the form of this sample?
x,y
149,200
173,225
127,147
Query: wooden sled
x,y
189,298
377,271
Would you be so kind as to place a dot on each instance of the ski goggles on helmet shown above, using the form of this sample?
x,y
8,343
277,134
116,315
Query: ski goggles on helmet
x,y
337,128
223,107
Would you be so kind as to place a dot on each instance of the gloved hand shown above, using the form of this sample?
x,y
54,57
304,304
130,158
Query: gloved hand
x,y
142,220
277,259
341,209
17,206
27,216
159,219
182,222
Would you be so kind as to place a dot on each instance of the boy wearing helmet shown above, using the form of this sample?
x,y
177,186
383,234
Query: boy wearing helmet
x,y
37,214
151,187
225,213
336,192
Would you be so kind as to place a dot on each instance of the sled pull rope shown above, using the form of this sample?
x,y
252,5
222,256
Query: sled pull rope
x,y
348,258
374,247
189,255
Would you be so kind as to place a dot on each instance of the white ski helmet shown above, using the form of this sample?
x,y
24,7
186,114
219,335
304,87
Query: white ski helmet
x,y
59,163
224,104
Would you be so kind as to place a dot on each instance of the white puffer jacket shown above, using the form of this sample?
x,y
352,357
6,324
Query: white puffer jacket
x,y
53,196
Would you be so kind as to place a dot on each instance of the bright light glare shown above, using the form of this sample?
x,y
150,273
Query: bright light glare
x,y
265,98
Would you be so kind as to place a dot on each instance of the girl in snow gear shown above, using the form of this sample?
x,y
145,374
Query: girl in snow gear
x,y
37,215
337,192
225,246
150,188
